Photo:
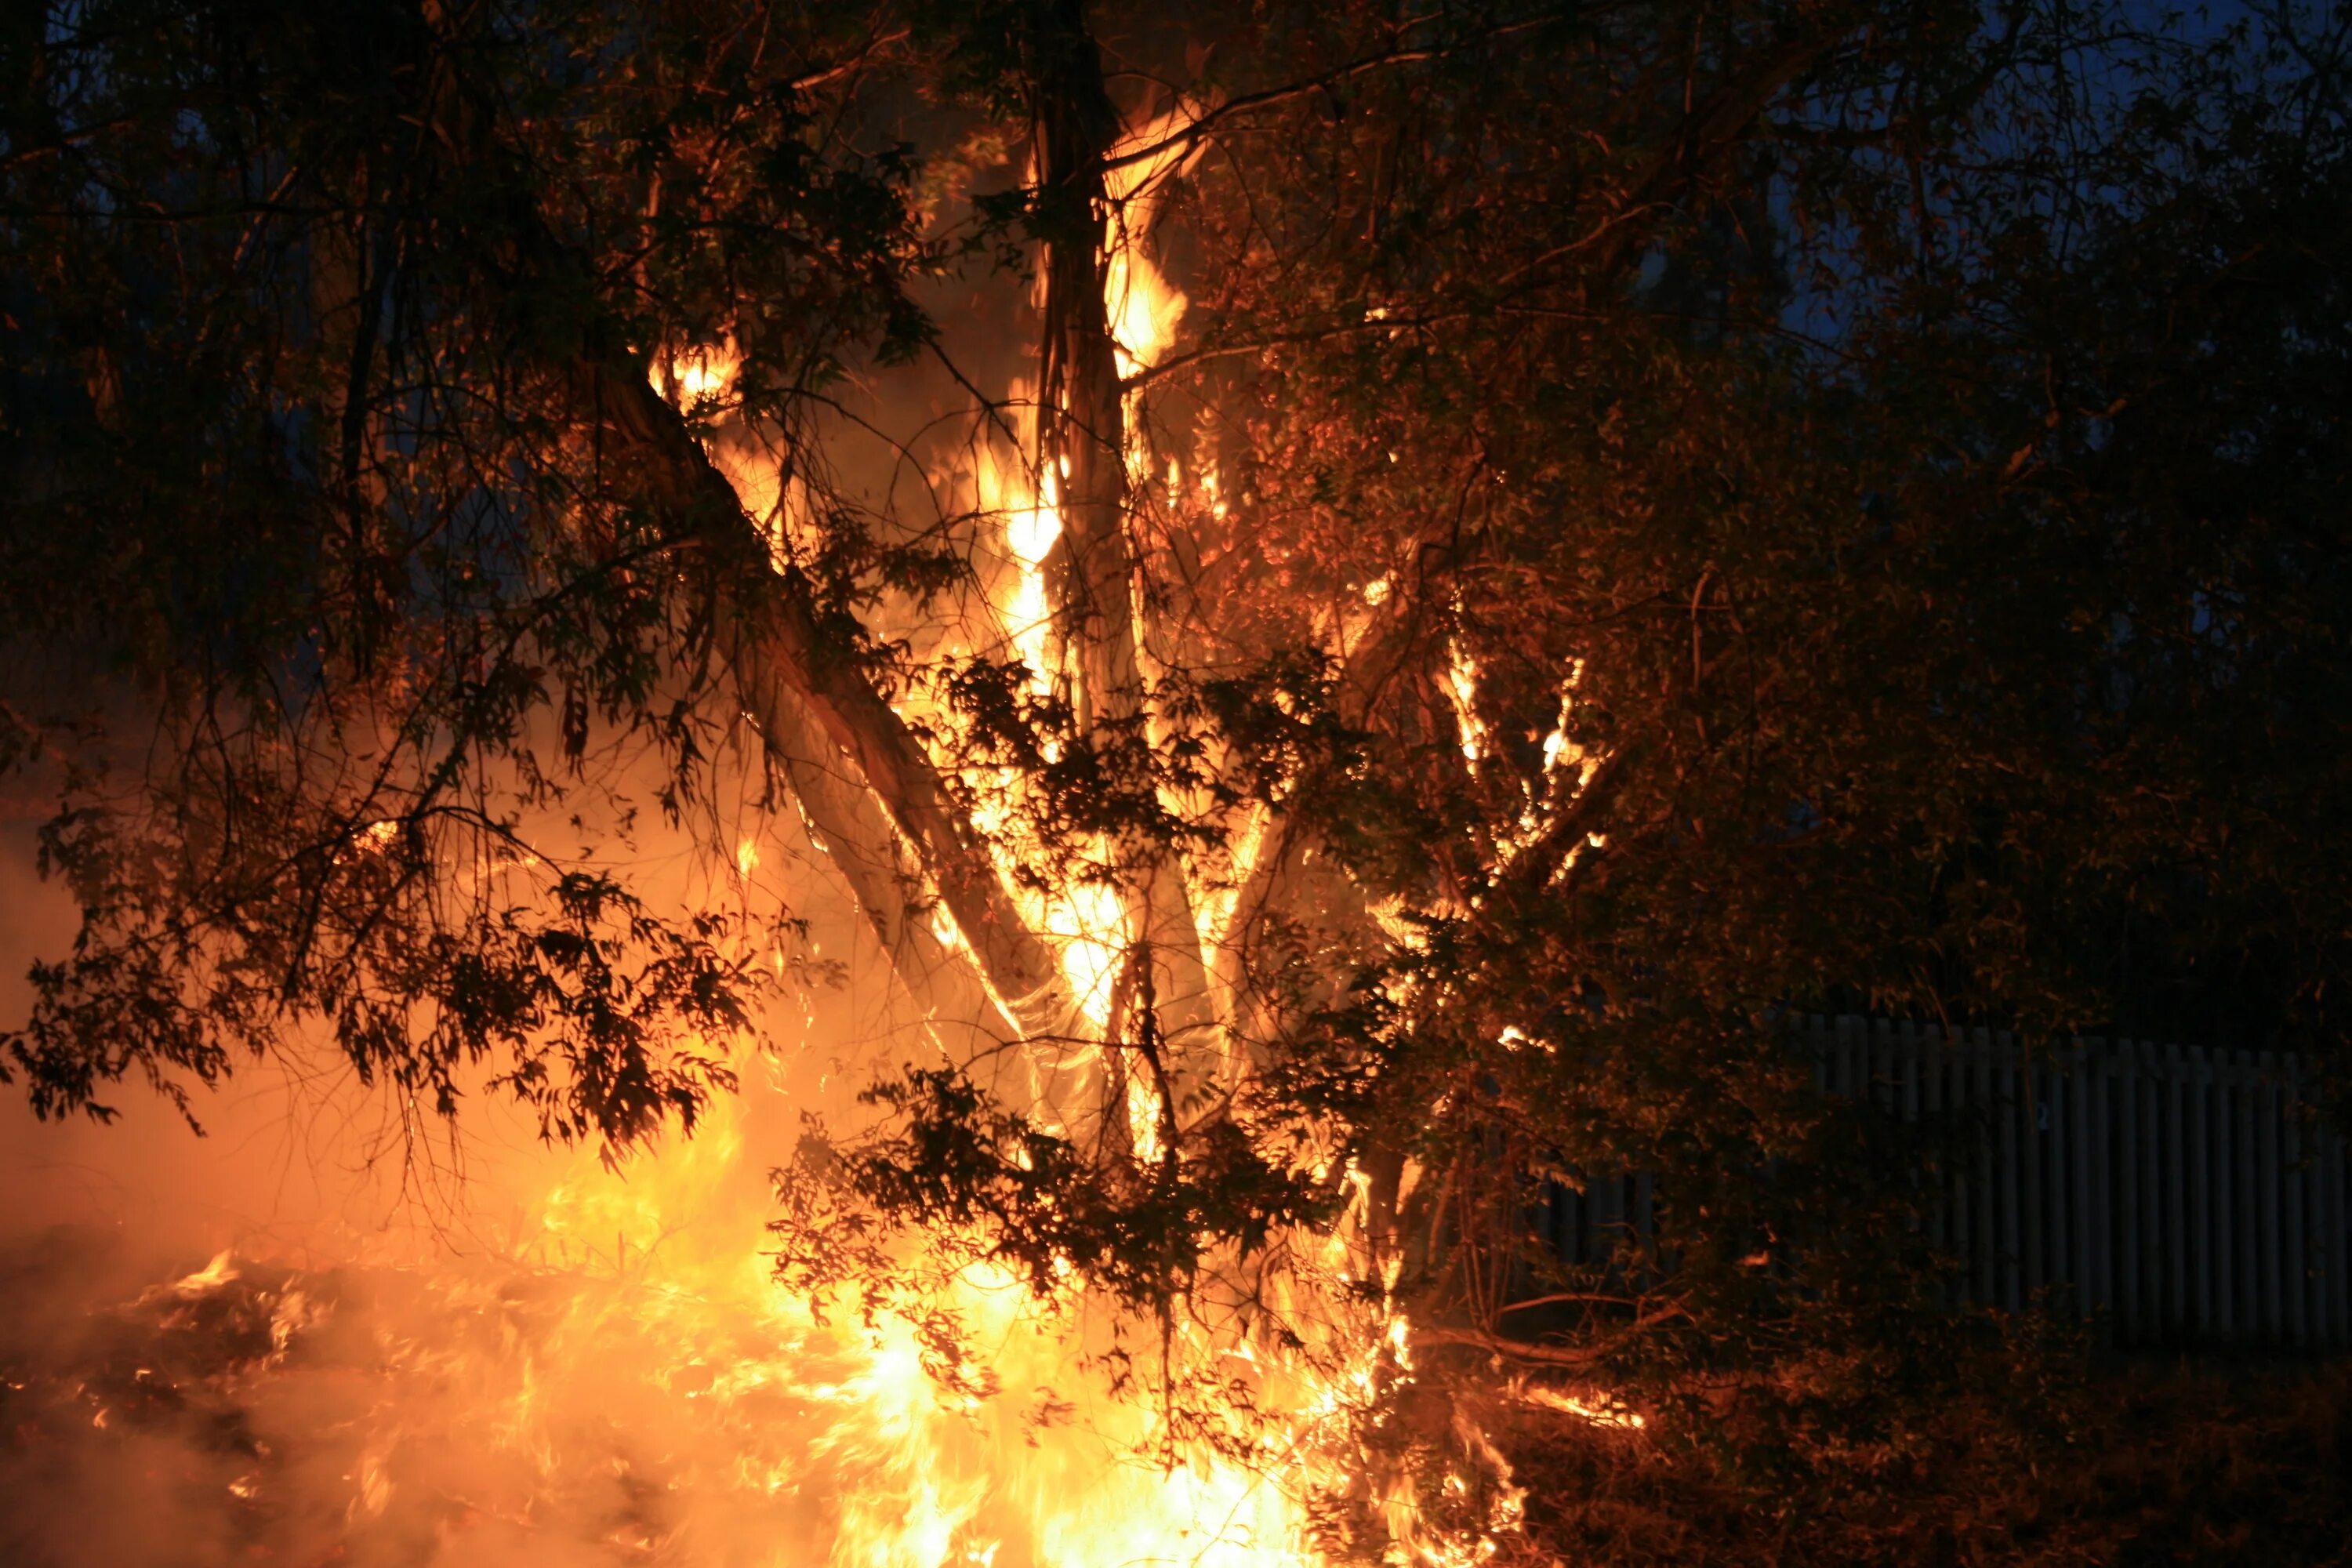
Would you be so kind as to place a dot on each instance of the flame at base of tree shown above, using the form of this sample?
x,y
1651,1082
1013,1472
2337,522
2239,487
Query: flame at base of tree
x,y
624,1382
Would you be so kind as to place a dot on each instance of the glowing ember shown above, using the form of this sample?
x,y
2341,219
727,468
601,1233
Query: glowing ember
x,y
1596,1409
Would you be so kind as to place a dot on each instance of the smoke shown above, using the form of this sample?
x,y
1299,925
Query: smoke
x,y
310,1335
362,1415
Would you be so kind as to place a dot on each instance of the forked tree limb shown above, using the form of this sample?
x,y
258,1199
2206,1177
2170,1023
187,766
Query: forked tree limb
x,y
793,665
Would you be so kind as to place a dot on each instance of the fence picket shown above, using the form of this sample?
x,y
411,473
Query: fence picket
x,y
1930,1081
2338,1221
2200,1191
2049,1169
1906,1052
1990,1236
2069,1266
2032,1140
2133,1299
2007,1218
2242,1262
2265,1111
1967,1217
2290,1224
2103,1181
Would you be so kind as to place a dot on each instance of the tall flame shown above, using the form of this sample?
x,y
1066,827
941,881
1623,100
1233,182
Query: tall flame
x,y
1025,1462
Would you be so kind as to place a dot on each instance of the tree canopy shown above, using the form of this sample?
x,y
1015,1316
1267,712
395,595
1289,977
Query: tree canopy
x,y
1431,578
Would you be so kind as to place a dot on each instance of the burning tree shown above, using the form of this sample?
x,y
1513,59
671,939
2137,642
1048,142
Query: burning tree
x,y
1523,545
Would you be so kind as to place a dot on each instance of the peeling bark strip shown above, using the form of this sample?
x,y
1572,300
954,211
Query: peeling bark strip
x,y
1082,449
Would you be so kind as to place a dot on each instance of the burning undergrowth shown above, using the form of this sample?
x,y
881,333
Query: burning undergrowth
x,y
621,1380
490,1414
255,1413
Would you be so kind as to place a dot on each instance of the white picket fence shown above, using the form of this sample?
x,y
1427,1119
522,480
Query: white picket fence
x,y
2176,1194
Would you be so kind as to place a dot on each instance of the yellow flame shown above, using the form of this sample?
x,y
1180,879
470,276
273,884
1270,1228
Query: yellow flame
x,y
208,1278
693,375
932,1476
1593,1406
1462,687
1025,1461
1144,312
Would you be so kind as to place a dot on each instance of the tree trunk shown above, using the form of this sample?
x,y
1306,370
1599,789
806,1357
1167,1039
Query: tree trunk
x,y
1082,450
846,821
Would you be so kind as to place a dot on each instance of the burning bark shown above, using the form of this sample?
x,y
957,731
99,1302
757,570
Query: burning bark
x,y
1083,450
801,680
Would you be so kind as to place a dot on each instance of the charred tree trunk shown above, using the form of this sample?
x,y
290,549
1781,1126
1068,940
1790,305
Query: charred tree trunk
x,y
1081,441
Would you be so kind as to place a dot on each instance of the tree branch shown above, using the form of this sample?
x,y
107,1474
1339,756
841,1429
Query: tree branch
x,y
1271,97
784,652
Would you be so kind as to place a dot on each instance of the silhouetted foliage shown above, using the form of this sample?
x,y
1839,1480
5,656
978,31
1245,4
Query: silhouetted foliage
x,y
1716,513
